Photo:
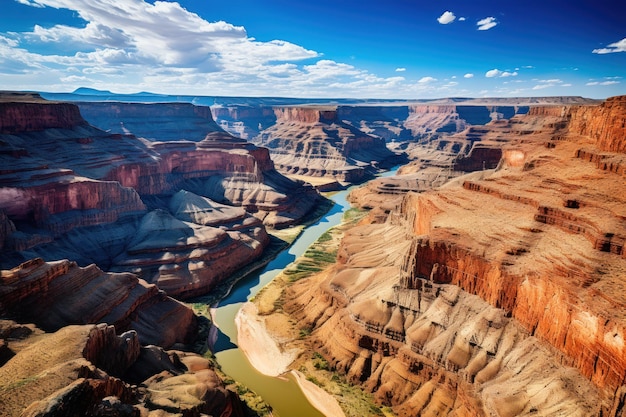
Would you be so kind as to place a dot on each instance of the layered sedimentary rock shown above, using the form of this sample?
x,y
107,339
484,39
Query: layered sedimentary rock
x,y
500,292
56,294
156,121
189,252
17,114
434,164
89,370
314,142
69,190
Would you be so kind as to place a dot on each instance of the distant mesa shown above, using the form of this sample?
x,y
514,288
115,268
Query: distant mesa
x,y
92,92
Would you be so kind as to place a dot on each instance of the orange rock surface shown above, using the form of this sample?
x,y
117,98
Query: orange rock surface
x,y
499,293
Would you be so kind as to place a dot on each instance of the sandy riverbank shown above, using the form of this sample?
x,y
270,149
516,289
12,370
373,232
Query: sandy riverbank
x,y
265,353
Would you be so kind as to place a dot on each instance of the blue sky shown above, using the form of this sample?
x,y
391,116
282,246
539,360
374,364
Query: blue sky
x,y
361,49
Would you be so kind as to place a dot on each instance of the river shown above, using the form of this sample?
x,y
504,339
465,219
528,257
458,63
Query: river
x,y
283,394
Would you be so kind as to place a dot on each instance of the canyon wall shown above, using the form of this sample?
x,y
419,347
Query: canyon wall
x,y
498,293
155,122
77,192
312,141
57,294
24,117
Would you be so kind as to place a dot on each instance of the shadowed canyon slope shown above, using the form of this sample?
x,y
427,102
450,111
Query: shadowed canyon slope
x,y
76,195
183,214
90,370
499,293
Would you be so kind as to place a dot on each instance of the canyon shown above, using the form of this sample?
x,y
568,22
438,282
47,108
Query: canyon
x,y
184,214
493,292
485,279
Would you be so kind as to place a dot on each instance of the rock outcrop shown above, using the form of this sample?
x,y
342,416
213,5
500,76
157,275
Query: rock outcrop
x,y
189,252
315,142
498,293
57,294
84,370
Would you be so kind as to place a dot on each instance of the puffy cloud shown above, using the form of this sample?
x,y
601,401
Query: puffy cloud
x,y
400,69
461,19
497,73
426,80
619,46
446,17
486,23
468,75
162,33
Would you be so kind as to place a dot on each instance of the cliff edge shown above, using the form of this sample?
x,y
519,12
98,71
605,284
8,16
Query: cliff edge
x,y
499,292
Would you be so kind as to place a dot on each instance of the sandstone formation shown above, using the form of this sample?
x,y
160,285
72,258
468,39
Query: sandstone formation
x,y
434,164
499,293
57,294
393,120
189,252
83,370
315,142
69,190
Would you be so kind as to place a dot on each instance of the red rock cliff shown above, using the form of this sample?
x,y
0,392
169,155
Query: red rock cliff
x,y
501,278
57,294
606,124
29,117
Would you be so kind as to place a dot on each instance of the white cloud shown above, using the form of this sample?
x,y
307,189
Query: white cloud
x,y
400,69
602,82
468,75
497,73
446,17
426,80
461,19
31,3
486,23
619,46
162,33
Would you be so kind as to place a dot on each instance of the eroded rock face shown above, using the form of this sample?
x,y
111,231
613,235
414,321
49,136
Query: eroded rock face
x,y
57,294
190,252
72,191
499,293
315,142
163,122
83,370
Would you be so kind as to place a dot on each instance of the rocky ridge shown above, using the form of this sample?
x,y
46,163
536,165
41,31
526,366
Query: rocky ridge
x,y
90,370
57,294
69,190
314,142
500,292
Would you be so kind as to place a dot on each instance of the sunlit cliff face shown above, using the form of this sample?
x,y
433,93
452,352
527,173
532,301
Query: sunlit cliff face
x,y
514,158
